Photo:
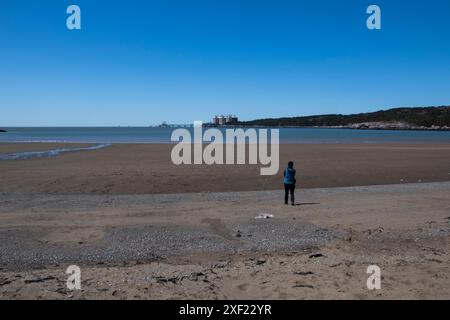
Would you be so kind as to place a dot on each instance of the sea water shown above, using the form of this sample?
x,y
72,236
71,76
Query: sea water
x,y
108,135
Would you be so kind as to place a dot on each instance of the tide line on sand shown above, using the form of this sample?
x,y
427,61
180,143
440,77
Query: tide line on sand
x,y
47,153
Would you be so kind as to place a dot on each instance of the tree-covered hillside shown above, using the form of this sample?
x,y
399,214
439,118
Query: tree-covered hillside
x,y
423,117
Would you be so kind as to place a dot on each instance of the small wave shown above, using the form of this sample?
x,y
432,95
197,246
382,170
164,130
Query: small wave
x,y
45,141
48,153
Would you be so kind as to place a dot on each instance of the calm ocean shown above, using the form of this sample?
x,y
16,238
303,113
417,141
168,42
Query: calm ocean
x,y
162,135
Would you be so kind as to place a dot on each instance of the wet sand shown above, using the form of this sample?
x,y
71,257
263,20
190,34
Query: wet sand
x,y
148,169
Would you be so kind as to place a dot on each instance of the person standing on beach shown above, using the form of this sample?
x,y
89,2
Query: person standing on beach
x,y
289,183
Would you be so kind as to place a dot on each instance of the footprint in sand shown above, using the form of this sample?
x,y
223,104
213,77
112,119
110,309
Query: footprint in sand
x,y
243,286
219,228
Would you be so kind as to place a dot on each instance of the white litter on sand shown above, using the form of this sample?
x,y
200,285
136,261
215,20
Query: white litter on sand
x,y
264,216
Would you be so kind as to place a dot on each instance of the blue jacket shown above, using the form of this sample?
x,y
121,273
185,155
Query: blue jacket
x,y
289,176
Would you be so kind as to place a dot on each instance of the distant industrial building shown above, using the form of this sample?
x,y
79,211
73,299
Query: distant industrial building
x,y
224,120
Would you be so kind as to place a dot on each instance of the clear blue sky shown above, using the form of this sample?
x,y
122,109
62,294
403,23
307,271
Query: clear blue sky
x,y
143,62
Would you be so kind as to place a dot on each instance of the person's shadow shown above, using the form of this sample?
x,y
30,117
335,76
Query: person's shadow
x,y
306,203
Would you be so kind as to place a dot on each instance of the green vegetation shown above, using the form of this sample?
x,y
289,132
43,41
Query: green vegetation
x,y
422,117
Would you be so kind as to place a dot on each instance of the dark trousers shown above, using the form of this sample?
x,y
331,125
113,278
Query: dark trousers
x,y
289,188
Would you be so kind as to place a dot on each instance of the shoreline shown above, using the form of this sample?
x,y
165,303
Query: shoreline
x,y
349,127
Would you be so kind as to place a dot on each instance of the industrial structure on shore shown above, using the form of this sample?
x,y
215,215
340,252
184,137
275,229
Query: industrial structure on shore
x,y
217,121
225,120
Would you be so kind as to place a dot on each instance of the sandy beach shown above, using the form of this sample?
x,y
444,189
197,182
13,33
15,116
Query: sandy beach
x,y
148,149
147,168
142,228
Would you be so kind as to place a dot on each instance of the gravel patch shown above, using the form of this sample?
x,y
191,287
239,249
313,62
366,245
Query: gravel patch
x,y
22,249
